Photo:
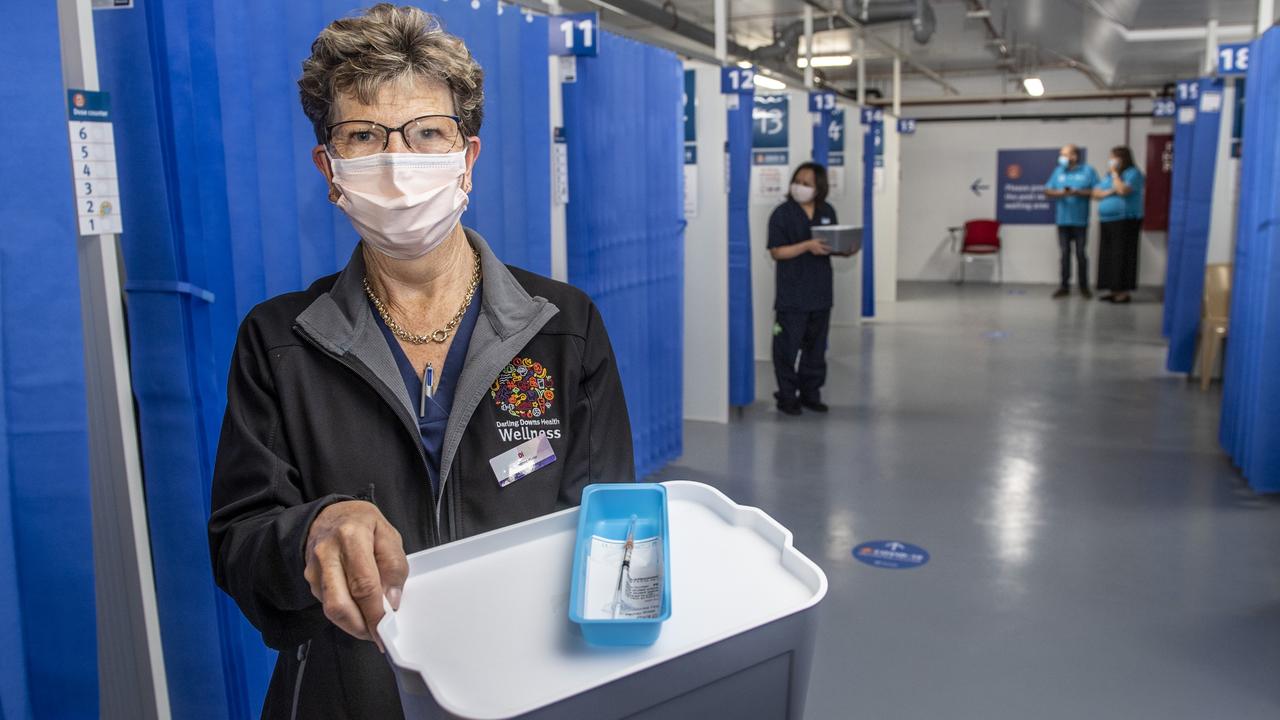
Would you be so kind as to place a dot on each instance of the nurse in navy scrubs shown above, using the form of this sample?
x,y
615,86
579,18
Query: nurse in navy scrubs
x,y
803,301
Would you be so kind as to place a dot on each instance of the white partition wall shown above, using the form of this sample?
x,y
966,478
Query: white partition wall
x,y
706,258
886,203
846,198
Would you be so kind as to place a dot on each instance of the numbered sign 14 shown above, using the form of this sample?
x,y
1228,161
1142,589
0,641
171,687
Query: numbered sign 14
x,y
574,34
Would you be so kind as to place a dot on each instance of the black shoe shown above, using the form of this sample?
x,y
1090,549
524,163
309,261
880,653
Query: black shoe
x,y
1124,299
1084,293
1061,293
789,408
814,405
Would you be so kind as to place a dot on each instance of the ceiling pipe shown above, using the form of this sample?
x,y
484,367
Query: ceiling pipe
x,y
1003,99
1182,33
786,42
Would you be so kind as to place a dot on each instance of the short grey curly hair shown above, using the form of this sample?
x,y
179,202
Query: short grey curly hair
x,y
386,43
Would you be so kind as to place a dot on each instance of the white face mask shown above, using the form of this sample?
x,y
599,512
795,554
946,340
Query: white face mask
x,y
802,193
402,204
1113,163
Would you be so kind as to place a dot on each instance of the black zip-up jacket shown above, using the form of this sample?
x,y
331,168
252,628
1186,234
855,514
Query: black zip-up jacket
x,y
317,413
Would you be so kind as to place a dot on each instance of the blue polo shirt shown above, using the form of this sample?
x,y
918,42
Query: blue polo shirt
x,y
432,423
1072,211
1122,207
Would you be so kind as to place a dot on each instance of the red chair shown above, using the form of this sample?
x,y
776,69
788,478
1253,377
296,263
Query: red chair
x,y
981,240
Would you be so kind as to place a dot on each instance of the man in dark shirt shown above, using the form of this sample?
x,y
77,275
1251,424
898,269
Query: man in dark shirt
x,y
803,298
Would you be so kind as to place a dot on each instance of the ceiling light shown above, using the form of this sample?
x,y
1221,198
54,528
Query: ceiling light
x,y
769,83
1033,85
826,61
744,63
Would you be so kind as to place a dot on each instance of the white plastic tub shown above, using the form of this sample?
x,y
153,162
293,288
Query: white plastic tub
x,y
483,630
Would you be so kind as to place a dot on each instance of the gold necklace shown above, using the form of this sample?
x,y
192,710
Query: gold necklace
x,y
438,336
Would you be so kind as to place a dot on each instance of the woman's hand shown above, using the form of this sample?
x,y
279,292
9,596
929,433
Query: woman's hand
x,y
817,247
354,558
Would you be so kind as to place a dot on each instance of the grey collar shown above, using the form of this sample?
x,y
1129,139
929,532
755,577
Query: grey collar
x,y
341,322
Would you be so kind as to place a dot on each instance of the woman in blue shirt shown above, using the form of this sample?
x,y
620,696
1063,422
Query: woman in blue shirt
x,y
1119,197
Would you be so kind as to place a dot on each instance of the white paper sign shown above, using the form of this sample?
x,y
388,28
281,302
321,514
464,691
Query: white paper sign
x,y
768,183
691,190
93,163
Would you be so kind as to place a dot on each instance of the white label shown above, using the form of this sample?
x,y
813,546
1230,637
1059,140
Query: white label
x,y
691,190
560,171
1186,115
522,460
93,173
568,68
768,183
1211,102
835,178
615,592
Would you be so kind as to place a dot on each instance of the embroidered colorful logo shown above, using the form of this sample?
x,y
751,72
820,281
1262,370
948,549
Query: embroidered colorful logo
x,y
524,389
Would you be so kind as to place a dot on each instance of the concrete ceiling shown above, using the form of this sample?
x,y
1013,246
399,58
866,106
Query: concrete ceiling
x,y
1094,37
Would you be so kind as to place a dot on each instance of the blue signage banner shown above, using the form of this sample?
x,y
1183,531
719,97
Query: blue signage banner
x,y
769,128
574,34
88,106
835,138
872,115
1164,107
820,101
1020,179
906,126
1233,58
891,554
690,106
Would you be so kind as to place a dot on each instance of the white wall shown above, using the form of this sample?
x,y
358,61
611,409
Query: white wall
x,y
942,159
1226,180
847,201
706,262
886,204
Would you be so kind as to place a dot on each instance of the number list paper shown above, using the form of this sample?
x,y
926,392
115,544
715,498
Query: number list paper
x,y
93,163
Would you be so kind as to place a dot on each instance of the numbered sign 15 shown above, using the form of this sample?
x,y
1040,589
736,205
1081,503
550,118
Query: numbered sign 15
x,y
1233,59
906,126
734,80
574,34
822,101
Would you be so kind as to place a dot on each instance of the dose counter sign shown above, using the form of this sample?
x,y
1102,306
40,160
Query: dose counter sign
x,y
93,162
891,554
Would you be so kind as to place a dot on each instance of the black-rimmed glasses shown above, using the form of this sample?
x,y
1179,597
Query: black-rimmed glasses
x,y
429,134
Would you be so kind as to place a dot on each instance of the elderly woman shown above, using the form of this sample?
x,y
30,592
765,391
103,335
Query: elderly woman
x,y
380,411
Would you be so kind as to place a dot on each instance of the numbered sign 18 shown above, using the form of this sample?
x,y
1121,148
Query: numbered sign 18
x,y
93,162
1233,59
574,34
822,101
735,80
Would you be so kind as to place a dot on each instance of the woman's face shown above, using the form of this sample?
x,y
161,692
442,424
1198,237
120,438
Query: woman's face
x,y
397,103
805,177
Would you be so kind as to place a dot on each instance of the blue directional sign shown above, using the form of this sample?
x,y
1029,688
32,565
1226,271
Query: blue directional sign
x,y
574,34
891,554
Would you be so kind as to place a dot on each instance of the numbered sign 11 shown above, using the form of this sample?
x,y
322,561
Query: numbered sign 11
x,y
822,101
574,34
1233,58
93,162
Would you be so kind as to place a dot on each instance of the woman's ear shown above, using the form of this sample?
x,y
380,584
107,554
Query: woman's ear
x,y
320,157
473,153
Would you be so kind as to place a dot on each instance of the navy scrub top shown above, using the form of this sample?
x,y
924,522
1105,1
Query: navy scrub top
x,y
804,281
432,424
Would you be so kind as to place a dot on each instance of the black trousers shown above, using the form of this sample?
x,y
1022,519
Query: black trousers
x,y
802,334
1069,235
1118,255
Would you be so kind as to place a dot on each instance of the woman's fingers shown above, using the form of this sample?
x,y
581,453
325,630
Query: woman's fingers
x,y
339,608
364,583
393,567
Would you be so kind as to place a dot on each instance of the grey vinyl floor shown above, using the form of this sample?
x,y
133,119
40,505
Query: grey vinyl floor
x,y
1093,552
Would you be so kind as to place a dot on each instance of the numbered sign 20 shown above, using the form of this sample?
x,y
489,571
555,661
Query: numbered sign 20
x,y
1163,107
1233,59
822,101
734,80
574,34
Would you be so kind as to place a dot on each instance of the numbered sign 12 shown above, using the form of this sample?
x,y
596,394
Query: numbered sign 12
x,y
822,101
735,80
1233,58
906,126
574,34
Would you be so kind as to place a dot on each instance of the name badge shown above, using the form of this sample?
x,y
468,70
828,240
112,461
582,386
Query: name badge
x,y
522,459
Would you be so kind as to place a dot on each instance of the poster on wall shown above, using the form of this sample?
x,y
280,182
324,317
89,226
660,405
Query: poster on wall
x,y
1155,203
835,136
1020,179
769,155
690,144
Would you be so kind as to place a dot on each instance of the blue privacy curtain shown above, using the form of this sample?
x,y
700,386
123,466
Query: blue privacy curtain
x,y
1183,133
1250,430
623,121
742,358
48,640
1184,282
821,140
223,209
872,138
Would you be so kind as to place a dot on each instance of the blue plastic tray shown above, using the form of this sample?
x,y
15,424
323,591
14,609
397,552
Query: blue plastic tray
x,y
606,512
